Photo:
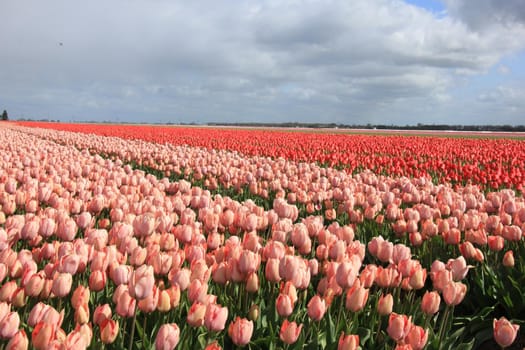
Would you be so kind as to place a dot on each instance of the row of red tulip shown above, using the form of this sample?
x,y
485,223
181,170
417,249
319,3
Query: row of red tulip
x,y
492,163
76,223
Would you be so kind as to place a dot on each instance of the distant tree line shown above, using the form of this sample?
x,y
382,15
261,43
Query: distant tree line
x,y
419,126
4,115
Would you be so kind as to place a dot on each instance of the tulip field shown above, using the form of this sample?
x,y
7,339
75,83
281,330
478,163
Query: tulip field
x,y
150,237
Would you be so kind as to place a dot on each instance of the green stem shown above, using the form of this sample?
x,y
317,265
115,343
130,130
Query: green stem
x,y
444,322
378,328
132,329
144,330
124,326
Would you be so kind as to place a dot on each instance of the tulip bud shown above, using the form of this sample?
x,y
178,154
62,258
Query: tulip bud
x,y
254,312
108,330
385,304
430,302
508,259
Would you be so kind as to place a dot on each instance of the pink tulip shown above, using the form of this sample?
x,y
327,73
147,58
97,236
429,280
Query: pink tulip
x,y
196,314
43,335
182,278
508,259
213,346
97,280
109,330
346,274
290,332
398,326
385,304
348,342
126,305
215,317
504,332
141,282
240,331
67,230
316,308
284,305
18,342
80,296
101,313
9,325
430,302
167,337
458,267
62,284
454,292
417,337
356,297
271,270
7,291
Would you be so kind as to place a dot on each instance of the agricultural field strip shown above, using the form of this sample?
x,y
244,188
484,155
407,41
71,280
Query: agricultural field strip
x,y
368,198
492,163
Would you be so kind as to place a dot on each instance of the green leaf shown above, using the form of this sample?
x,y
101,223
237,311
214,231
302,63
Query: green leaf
x,y
465,346
364,334
331,329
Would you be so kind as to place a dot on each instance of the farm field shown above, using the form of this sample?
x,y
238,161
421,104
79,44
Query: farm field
x,y
139,237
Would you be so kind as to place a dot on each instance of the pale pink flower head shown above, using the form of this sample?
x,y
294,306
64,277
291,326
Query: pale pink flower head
x,y
215,317
144,224
18,342
348,342
168,337
196,314
141,282
109,330
62,284
398,326
417,337
508,259
67,230
454,293
284,305
430,302
356,297
346,274
458,267
290,331
504,332
385,304
240,331
316,308
9,325
101,313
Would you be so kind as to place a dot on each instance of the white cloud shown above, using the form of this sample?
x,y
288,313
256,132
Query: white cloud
x,y
347,61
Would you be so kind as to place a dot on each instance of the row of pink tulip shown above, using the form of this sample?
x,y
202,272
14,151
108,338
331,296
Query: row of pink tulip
x,y
77,223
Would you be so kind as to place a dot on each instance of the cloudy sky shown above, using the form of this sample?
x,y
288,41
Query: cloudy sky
x,y
343,61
